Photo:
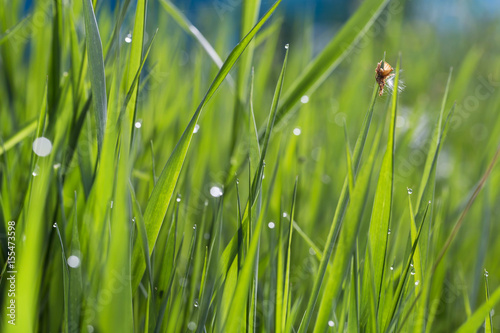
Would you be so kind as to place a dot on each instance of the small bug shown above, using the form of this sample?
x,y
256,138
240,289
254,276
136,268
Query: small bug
x,y
381,74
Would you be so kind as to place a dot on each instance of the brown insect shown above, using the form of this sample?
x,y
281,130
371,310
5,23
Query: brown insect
x,y
381,74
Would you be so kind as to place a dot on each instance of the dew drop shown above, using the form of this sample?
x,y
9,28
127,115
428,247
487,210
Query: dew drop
x,y
35,172
410,191
216,191
54,225
287,46
486,273
195,303
42,146
331,323
194,227
417,282
392,268
412,273
297,131
196,128
304,99
271,225
237,181
128,38
191,326
73,261
178,199
411,265
389,232
285,214
138,124
111,204
56,166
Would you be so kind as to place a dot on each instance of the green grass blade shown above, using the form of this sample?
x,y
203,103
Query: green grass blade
x,y
346,244
189,28
96,70
162,192
381,214
474,322
288,259
18,137
332,55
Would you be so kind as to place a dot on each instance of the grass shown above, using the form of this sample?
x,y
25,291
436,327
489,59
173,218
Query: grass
x,y
273,191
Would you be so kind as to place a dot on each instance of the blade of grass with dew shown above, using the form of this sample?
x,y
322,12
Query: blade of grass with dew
x,y
135,60
288,259
162,192
382,204
96,70
488,324
427,183
209,280
477,319
428,195
345,247
28,281
398,294
141,228
117,315
233,323
332,55
75,277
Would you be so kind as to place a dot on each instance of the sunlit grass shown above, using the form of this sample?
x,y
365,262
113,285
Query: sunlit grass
x,y
197,184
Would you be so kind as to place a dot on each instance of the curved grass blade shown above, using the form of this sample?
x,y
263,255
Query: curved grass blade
x,y
474,322
162,192
188,27
332,55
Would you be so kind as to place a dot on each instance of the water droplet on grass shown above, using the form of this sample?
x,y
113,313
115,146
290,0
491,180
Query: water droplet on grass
x,y
304,99
128,38
196,128
331,323
297,131
195,303
42,146
417,282
410,191
392,268
271,225
191,326
287,46
389,232
138,124
73,261
216,191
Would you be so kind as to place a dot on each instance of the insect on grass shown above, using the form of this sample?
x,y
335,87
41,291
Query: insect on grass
x,y
385,77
